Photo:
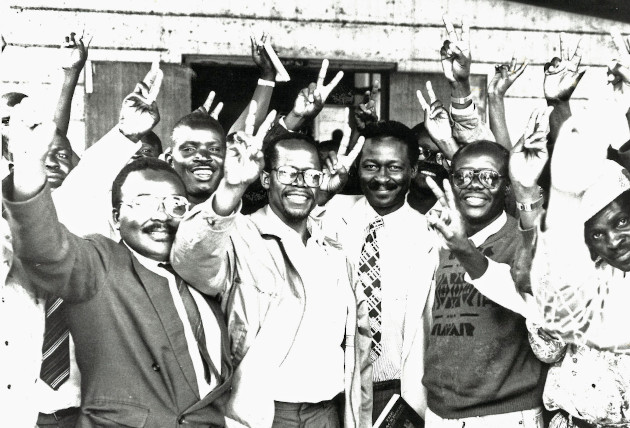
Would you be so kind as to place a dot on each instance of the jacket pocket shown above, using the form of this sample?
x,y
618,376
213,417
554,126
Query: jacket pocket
x,y
114,413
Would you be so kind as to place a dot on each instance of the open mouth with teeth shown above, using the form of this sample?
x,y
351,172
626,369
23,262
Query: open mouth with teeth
x,y
475,201
203,173
427,173
299,199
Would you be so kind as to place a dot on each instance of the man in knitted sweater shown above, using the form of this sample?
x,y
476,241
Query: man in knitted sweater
x,y
479,368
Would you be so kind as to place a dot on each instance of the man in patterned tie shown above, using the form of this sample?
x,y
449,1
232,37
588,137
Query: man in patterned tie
x,y
388,243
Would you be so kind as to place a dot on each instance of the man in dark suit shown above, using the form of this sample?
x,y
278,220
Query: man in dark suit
x,y
151,351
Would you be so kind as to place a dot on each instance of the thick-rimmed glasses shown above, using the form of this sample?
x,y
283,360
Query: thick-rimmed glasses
x,y
488,178
288,174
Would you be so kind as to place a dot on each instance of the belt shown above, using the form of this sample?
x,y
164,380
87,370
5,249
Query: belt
x,y
49,418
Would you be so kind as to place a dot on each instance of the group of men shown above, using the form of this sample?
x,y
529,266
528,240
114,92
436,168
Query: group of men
x,y
155,301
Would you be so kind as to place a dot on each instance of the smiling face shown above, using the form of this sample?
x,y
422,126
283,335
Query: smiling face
x,y
198,156
292,203
479,205
607,233
148,232
58,161
385,173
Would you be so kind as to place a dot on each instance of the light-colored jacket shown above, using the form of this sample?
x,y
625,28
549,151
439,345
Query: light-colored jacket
x,y
244,259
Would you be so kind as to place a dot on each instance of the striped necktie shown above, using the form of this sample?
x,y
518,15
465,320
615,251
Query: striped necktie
x,y
370,276
55,368
194,318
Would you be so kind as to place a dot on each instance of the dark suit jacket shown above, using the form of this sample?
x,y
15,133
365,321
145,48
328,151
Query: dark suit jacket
x,y
129,340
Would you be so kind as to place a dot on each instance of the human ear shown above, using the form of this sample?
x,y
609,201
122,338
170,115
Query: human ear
x,y
264,180
116,218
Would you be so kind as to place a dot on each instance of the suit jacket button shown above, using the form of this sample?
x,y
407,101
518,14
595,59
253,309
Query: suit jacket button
x,y
155,367
181,420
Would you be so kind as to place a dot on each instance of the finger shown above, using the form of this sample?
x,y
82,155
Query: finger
x,y
310,92
450,196
620,45
250,120
577,55
430,93
564,54
366,97
513,62
333,83
504,72
343,147
72,38
423,102
263,39
155,88
87,39
217,110
439,194
322,73
531,123
354,153
330,161
264,128
450,30
141,89
543,119
209,100
254,45
521,69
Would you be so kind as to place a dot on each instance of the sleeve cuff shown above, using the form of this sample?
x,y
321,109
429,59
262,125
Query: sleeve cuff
x,y
467,111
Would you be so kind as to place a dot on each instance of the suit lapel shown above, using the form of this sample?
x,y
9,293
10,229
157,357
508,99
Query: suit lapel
x,y
160,296
226,362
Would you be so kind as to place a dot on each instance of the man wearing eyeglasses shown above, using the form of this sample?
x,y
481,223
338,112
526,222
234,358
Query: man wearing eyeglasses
x,y
152,352
299,333
479,368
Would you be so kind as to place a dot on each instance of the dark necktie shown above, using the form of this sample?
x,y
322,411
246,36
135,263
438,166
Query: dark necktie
x,y
194,317
370,276
55,368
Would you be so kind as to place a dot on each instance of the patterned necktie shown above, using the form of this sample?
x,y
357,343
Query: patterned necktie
x,y
194,317
370,276
55,368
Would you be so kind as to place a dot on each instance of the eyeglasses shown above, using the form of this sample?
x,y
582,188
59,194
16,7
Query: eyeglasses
x,y
488,178
6,120
174,206
288,174
429,155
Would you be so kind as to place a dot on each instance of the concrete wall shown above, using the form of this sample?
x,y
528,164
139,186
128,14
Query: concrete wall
x,y
408,32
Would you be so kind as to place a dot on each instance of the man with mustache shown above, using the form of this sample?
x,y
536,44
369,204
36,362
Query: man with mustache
x,y
299,332
479,368
388,242
151,351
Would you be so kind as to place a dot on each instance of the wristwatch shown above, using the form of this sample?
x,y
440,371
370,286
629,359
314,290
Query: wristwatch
x,y
530,206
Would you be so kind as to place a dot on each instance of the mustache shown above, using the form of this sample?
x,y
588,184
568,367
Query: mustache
x,y
152,227
375,185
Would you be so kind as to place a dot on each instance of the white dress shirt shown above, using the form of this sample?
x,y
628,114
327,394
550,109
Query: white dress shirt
x,y
208,320
404,243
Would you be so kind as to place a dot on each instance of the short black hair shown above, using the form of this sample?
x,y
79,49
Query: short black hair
x,y
199,120
141,164
392,129
484,146
152,139
271,153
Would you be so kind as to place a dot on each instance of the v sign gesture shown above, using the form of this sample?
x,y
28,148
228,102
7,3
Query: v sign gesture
x,y
562,75
455,52
205,108
437,122
310,101
139,112
337,166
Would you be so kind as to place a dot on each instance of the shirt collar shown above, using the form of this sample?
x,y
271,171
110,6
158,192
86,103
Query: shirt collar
x,y
269,223
152,265
400,215
481,236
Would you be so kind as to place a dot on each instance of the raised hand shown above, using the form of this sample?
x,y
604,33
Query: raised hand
x,y
139,112
618,69
310,101
436,117
562,75
445,219
261,58
30,133
244,158
529,156
365,112
205,108
75,51
337,166
455,52
505,75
